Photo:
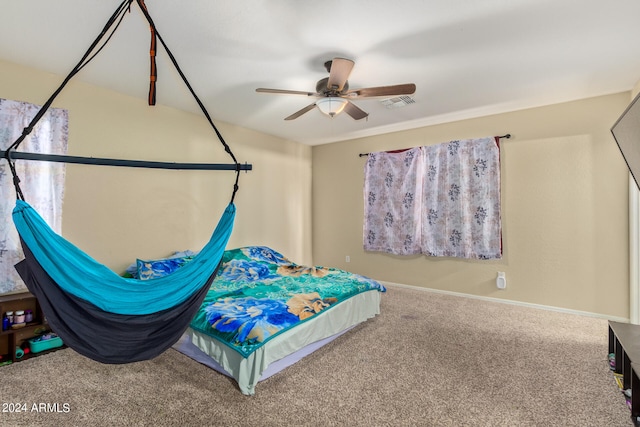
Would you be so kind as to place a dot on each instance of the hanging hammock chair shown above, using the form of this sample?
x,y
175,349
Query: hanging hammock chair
x,y
104,316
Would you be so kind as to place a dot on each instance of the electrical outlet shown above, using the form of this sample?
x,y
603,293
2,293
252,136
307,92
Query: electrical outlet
x,y
501,280
347,258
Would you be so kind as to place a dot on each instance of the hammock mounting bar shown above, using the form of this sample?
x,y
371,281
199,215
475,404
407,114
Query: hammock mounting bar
x,y
98,44
120,162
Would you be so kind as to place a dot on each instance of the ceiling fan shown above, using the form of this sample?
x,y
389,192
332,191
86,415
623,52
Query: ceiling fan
x,y
335,95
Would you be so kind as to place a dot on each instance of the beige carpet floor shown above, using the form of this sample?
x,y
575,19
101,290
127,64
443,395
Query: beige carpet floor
x,y
427,360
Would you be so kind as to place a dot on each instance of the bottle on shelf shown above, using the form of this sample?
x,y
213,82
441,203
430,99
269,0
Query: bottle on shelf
x,y
18,319
10,317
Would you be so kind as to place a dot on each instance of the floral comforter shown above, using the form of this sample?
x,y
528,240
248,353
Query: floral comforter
x,y
258,294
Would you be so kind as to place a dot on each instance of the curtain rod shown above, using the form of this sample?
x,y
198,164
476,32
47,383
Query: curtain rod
x,y
127,163
507,136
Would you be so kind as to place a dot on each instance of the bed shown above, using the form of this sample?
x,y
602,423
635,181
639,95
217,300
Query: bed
x,y
263,312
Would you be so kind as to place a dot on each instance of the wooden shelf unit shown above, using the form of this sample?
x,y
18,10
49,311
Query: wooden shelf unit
x,y
12,339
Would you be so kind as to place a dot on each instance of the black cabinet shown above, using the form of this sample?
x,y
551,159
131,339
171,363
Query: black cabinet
x,y
624,344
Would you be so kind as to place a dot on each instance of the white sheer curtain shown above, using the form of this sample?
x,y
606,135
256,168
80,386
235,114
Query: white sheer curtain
x,y
42,183
438,200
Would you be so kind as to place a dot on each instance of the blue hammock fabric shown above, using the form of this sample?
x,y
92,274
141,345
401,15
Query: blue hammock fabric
x,y
102,315
78,274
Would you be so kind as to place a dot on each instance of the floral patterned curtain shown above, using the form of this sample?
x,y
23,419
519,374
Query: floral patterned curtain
x,y
392,189
42,183
445,196
461,200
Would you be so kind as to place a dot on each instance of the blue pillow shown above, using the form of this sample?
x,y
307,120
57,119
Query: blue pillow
x,y
161,267
132,270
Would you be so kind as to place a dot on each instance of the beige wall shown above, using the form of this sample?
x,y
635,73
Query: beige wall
x,y
118,214
564,188
636,90
564,209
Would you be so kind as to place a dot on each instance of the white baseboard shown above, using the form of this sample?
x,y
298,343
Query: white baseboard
x,y
506,301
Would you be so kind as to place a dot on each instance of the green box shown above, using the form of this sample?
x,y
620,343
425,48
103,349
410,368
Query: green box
x,y
37,344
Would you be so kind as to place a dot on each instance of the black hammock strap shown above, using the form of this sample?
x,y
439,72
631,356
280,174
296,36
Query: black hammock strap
x,y
98,44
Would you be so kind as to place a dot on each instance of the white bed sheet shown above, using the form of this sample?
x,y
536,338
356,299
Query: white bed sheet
x,y
283,350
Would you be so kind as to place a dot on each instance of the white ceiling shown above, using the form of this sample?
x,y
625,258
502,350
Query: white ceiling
x,y
468,58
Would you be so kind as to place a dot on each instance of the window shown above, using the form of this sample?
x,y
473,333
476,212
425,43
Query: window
x,y
42,183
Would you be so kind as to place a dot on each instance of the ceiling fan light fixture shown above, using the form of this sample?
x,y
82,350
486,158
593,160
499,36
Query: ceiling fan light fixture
x,y
331,105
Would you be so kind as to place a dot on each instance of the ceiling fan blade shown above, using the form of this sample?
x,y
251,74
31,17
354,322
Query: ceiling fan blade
x,y
403,89
286,92
301,112
354,111
339,73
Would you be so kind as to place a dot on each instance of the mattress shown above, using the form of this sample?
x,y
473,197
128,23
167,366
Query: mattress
x,y
263,312
284,349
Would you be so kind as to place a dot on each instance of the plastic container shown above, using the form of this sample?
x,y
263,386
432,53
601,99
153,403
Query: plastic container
x,y
43,343
28,316
18,318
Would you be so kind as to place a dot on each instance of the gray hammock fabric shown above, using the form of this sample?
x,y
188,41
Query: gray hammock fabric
x,y
103,336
